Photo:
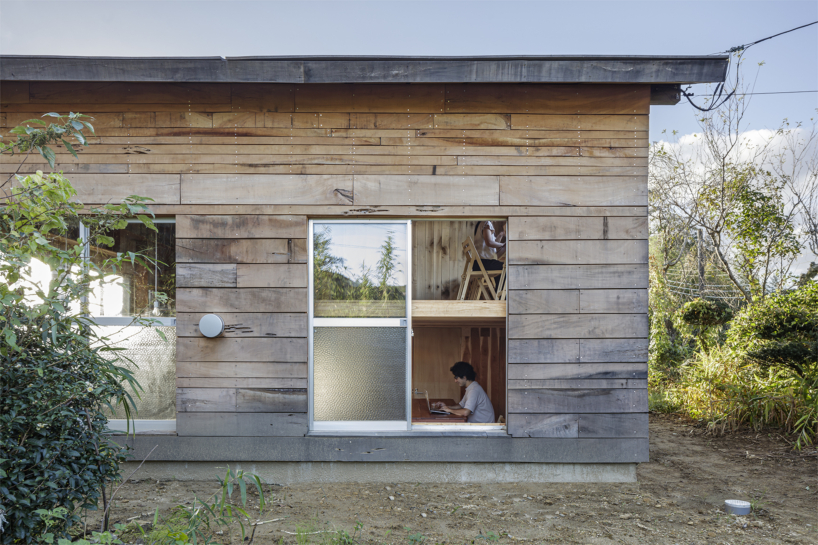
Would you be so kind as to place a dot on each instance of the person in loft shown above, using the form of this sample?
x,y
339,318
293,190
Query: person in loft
x,y
490,246
475,403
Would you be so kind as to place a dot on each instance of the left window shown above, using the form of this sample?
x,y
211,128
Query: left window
x,y
135,289
131,292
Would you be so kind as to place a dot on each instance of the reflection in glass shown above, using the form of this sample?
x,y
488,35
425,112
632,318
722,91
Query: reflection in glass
x,y
359,269
359,373
132,290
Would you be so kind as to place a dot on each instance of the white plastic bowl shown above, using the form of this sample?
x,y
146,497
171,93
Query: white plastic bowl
x,y
737,507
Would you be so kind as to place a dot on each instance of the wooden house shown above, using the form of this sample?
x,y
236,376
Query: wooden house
x,y
251,161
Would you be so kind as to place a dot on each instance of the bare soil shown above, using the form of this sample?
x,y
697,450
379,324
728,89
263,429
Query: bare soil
x,y
678,499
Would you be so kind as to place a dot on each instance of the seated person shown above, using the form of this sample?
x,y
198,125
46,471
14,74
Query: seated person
x,y
475,403
490,247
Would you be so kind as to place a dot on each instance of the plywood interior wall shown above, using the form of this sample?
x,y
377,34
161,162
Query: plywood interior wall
x,y
435,350
438,258
244,166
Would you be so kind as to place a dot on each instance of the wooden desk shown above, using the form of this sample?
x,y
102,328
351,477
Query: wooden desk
x,y
420,412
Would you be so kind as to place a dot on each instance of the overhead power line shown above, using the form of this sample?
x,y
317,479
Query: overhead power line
x,y
720,98
745,47
768,93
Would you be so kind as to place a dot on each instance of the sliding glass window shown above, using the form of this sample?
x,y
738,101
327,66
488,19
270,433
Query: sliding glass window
x,y
359,325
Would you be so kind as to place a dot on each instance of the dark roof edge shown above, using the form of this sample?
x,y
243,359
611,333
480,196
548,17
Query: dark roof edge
x,y
366,69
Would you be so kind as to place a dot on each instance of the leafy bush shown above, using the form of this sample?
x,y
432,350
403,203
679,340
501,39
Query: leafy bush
x,y
780,331
58,375
704,313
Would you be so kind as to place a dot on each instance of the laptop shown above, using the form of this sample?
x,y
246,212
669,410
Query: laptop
x,y
429,405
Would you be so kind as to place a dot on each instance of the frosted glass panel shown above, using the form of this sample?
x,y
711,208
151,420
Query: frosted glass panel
x,y
359,269
155,369
359,373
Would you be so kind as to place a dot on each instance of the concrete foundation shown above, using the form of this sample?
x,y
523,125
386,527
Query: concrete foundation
x,y
392,472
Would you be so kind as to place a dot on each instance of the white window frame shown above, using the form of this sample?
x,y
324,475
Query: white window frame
x,y
364,425
85,235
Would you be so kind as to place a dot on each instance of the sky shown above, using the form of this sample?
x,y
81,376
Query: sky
x,y
448,28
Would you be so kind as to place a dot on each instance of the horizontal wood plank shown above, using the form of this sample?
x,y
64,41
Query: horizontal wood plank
x,y
232,349
255,400
613,425
577,371
426,190
543,425
255,382
271,276
241,226
614,400
577,326
263,250
247,324
472,121
298,250
613,301
576,384
574,190
613,350
241,300
564,228
241,369
241,424
128,92
208,275
258,400
560,277
465,212
113,188
548,99
543,301
391,121
262,97
577,252
584,122
543,351
266,189
578,425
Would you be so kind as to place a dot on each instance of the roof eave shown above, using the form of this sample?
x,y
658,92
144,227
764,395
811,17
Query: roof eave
x,y
509,69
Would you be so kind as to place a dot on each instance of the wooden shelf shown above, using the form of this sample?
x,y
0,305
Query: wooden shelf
x,y
489,313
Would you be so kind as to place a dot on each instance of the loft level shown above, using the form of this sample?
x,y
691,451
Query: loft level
x,y
459,313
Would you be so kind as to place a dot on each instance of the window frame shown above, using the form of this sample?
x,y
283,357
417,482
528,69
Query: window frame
x,y
358,426
85,234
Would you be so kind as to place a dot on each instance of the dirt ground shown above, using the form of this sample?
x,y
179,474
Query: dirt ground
x,y
677,500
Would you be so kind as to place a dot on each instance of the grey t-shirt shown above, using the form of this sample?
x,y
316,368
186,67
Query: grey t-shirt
x,y
476,400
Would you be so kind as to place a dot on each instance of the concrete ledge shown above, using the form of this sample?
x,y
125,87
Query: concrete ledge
x,y
410,472
503,449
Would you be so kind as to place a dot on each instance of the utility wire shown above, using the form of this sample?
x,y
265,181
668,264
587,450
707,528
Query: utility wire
x,y
720,99
745,47
769,93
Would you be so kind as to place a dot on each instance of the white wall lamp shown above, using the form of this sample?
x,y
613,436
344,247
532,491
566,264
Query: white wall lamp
x,y
211,325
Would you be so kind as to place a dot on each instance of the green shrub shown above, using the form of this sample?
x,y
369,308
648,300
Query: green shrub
x,y
59,377
780,331
705,313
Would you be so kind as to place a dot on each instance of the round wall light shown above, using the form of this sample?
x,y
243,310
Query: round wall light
x,y
211,325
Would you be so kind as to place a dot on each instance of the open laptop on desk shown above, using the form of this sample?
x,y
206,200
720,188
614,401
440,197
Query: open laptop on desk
x,y
431,410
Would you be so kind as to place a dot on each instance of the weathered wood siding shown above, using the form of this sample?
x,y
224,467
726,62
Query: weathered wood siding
x,y
243,167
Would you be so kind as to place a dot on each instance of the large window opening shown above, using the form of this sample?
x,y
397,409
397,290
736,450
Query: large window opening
x,y
459,314
394,305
